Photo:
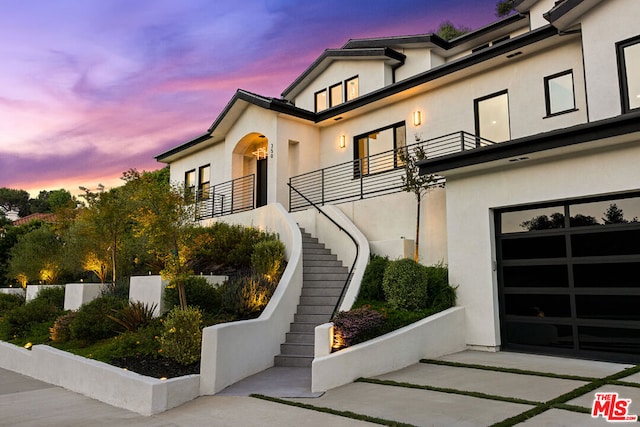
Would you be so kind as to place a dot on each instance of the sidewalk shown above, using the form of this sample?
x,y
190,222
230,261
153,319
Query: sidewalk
x,y
457,390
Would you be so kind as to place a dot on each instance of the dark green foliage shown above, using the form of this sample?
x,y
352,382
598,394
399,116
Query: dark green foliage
x,y
199,294
448,31
19,322
9,302
355,326
53,295
119,290
405,284
92,322
438,283
182,335
246,296
504,8
144,341
371,287
61,329
134,315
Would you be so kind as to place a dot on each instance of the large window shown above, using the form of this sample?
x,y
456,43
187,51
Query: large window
x,y
373,151
353,88
492,117
204,174
558,91
321,100
335,94
190,183
629,70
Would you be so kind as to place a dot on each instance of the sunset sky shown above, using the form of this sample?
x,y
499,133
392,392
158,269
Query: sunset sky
x,y
89,89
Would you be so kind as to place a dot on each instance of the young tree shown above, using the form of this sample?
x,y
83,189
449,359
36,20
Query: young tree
x,y
37,255
415,183
447,30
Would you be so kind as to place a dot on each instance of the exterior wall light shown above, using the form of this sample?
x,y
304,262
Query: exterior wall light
x,y
417,118
343,142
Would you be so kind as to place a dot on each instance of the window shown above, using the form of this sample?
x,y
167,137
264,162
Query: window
x,y
321,100
203,181
558,92
373,151
629,70
335,95
190,183
352,88
492,117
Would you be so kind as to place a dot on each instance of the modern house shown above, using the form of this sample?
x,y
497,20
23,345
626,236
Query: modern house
x,y
532,123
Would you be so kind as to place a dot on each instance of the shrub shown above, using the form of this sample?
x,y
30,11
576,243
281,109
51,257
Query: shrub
x,y
61,330
53,295
182,337
199,294
18,322
371,287
246,296
355,326
92,322
441,294
134,315
9,302
268,259
405,284
145,341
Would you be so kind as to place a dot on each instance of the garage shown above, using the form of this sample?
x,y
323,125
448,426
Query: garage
x,y
569,277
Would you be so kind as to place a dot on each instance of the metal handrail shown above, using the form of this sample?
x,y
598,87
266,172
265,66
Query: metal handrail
x,y
226,198
374,175
353,239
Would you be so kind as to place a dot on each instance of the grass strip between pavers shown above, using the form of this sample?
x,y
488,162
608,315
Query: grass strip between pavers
x,y
450,391
561,400
346,414
508,370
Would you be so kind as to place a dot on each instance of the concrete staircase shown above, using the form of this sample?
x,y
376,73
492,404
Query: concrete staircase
x,y
324,277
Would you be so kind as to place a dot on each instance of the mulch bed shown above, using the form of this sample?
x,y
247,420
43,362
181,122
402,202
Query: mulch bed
x,y
157,368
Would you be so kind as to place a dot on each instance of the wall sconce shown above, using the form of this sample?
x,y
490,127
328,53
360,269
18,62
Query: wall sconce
x,y
343,142
417,118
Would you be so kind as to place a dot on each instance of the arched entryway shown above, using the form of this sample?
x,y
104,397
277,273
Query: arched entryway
x,y
250,157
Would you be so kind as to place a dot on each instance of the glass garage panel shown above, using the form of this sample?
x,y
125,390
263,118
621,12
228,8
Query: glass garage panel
x,y
608,275
534,247
610,307
537,305
540,334
612,340
623,242
532,219
536,276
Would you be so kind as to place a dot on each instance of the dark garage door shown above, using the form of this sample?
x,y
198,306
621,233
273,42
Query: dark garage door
x,y
569,278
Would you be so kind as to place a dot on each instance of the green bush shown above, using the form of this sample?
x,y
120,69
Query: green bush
x,y
199,294
145,341
182,336
405,284
92,322
61,330
246,296
268,259
17,323
134,315
53,295
9,302
441,294
355,326
371,287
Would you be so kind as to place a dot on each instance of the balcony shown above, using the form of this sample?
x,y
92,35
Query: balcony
x,y
371,176
226,198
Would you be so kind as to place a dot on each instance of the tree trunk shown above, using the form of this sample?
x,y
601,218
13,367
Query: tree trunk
x,y
182,295
415,252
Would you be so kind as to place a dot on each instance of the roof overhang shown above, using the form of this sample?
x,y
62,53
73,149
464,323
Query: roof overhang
x,y
567,12
387,55
602,133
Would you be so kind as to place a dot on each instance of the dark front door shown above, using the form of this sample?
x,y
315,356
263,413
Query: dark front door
x,y
261,183
569,278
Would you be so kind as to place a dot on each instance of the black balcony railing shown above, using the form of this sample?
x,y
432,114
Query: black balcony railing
x,y
371,176
226,198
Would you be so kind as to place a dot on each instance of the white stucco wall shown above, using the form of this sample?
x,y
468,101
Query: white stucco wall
x,y
471,198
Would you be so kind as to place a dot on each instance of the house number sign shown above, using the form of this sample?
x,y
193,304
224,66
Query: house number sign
x,y
271,150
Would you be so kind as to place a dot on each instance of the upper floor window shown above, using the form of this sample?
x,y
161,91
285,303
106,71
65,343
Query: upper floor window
x,y
492,117
321,100
629,71
335,95
558,91
352,88
190,182
374,150
204,174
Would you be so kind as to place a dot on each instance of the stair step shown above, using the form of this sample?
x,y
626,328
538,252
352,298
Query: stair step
x,y
315,309
321,263
324,269
315,251
309,239
297,349
303,327
324,276
323,284
293,361
328,256
321,292
300,337
318,319
320,300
